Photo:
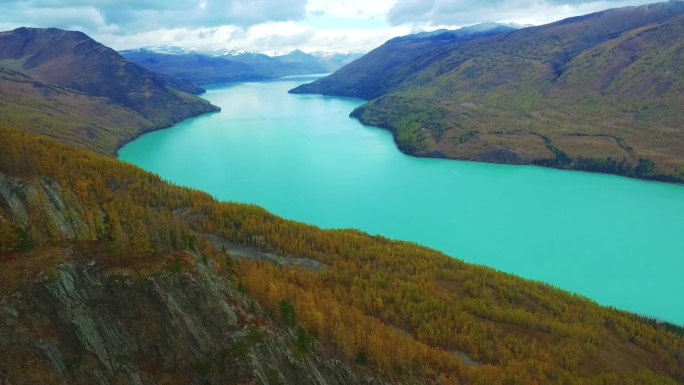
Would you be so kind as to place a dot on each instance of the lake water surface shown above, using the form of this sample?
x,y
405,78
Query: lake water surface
x,y
616,240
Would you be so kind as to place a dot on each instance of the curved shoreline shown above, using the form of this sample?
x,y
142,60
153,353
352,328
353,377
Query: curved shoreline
x,y
125,141
529,199
568,163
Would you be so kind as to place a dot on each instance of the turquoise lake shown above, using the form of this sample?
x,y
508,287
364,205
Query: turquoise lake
x,y
615,240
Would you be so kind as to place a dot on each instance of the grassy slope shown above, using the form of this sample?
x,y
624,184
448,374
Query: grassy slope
x,y
73,86
378,72
409,300
67,115
601,92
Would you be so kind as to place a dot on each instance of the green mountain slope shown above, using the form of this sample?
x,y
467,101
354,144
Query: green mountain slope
x,y
381,70
599,92
65,114
83,91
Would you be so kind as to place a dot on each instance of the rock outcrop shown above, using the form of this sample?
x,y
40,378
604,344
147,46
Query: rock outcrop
x,y
82,325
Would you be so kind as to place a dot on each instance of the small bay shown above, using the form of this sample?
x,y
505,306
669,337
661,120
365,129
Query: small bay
x,y
616,240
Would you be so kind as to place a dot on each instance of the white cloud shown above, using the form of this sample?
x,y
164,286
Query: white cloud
x,y
79,17
145,15
467,12
278,26
350,8
271,38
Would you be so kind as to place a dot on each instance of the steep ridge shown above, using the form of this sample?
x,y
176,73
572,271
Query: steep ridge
x,y
378,71
66,114
123,99
164,275
598,92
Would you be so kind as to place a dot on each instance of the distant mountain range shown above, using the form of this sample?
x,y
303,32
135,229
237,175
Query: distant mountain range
x,y
68,86
221,65
601,92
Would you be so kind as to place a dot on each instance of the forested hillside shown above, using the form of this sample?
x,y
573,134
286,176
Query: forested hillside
x,y
601,92
395,309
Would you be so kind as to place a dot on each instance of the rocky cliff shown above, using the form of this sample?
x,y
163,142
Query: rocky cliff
x,y
84,324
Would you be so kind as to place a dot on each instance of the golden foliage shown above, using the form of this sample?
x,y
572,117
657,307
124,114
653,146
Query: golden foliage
x,y
416,312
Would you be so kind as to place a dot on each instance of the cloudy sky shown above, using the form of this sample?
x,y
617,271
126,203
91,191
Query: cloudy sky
x,y
279,26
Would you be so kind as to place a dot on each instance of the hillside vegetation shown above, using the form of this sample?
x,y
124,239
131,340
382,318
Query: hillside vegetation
x,y
66,85
398,310
601,92
381,70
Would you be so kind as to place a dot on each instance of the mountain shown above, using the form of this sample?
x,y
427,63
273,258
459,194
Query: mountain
x,y
298,60
194,67
335,61
294,63
225,66
381,69
601,92
69,86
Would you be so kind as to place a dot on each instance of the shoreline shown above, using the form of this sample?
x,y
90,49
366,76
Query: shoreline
x,y
440,155
402,153
125,141
660,178
437,154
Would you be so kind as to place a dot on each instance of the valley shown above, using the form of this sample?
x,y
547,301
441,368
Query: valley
x,y
207,67
259,236
534,222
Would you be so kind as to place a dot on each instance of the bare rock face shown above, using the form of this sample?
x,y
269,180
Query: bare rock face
x,y
58,208
84,323
82,326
